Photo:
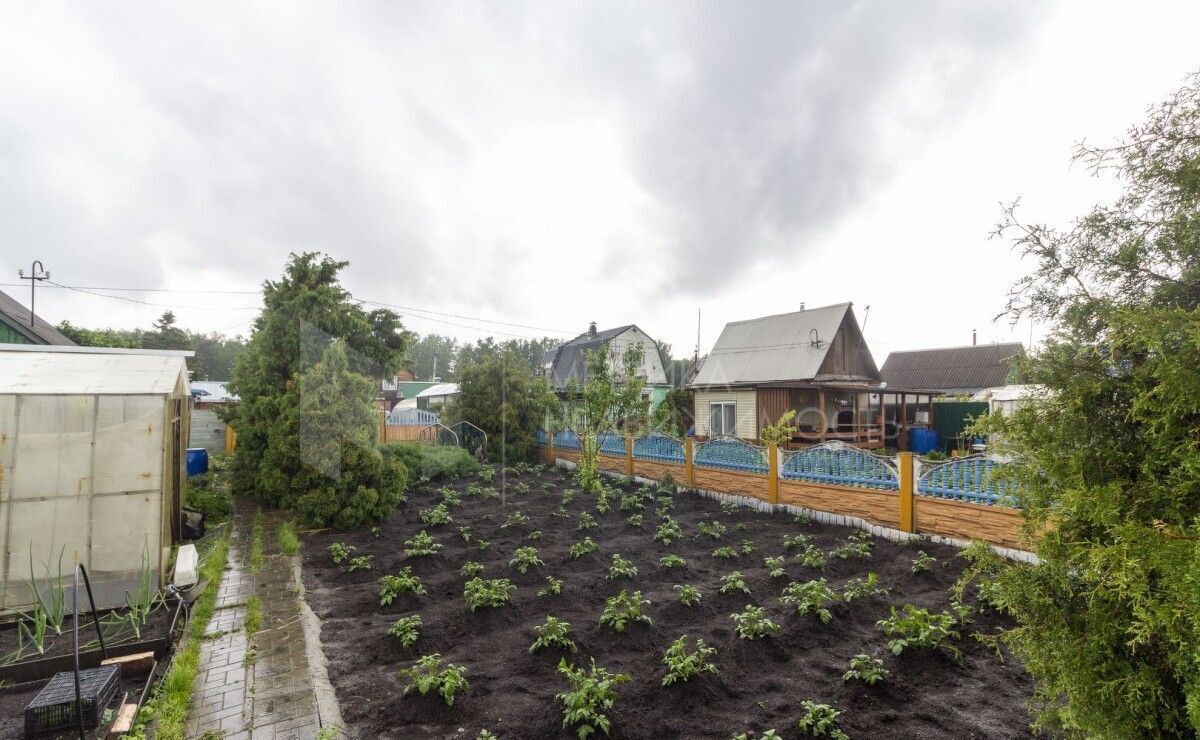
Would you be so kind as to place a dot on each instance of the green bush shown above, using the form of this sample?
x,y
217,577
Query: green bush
x,y
210,497
433,462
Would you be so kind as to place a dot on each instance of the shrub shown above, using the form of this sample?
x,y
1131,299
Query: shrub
x,y
586,521
857,545
553,587
339,552
810,597
525,558
392,586
362,562
812,557
668,531
210,496
427,674
553,633
672,561
436,515
752,624
591,695
820,720
860,588
776,566
579,549
407,629
420,545
923,562
713,529
866,669
494,592
733,581
911,627
725,552
689,595
433,462
621,568
682,665
624,608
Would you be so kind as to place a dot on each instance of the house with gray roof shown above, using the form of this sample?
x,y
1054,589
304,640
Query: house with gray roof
x,y
952,370
566,365
20,326
814,361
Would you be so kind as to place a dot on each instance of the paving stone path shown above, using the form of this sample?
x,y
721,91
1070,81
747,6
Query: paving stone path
x,y
266,689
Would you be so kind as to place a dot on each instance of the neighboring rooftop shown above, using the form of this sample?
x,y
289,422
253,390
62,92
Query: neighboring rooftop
x,y
211,391
967,369
805,345
569,360
441,389
15,325
26,369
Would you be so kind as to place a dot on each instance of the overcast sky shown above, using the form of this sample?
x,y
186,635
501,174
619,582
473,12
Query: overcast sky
x,y
547,164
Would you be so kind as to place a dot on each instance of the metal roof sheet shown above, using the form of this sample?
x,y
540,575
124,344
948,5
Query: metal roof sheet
x,y
18,318
441,389
961,369
84,373
772,348
213,391
570,358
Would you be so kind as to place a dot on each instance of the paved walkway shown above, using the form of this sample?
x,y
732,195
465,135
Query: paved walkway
x,y
264,689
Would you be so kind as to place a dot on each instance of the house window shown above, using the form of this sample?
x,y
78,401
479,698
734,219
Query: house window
x,y
722,419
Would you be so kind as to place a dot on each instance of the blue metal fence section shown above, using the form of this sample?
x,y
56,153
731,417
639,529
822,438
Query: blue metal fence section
x,y
967,479
412,418
565,439
611,443
541,437
658,446
837,462
731,453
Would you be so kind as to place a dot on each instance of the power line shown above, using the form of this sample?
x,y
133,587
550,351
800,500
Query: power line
x,y
157,305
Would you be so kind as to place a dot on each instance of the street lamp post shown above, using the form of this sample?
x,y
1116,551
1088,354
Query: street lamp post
x,y
37,274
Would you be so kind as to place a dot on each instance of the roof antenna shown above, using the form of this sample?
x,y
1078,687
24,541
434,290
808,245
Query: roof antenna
x,y
814,338
696,356
973,338
866,315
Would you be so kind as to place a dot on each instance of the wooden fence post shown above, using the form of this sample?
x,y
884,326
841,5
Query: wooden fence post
x,y
773,473
230,439
906,492
629,454
688,472
382,427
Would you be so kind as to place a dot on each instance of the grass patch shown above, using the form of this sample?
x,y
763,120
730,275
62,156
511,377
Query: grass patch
x,y
288,540
172,699
254,616
258,535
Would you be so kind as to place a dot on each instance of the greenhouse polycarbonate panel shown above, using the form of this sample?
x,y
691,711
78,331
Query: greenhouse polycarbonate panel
x,y
53,446
44,527
137,517
129,440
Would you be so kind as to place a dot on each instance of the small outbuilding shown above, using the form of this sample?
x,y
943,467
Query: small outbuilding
x,y
92,466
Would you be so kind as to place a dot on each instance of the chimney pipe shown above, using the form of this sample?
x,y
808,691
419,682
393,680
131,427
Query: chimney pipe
x,y
592,329
973,338
801,305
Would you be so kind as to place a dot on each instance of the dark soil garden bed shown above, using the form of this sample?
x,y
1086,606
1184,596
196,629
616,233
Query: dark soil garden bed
x,y
760,685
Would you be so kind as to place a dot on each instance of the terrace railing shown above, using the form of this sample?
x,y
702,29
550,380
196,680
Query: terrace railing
x,y
567,439
658,447
838,462
412,418
975,479
611,443
731,453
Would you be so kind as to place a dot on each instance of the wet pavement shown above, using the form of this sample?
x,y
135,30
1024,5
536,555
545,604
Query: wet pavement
x,y
265,688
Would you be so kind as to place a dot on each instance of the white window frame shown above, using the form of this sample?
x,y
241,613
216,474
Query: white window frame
x,y
728,419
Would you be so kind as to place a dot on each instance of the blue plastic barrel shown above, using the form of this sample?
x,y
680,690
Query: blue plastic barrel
x,y
922,441
197,461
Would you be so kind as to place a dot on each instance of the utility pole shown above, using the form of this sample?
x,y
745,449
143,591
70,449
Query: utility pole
x,y
38,274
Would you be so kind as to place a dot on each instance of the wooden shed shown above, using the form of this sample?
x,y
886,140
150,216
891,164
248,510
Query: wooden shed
x,y
92,465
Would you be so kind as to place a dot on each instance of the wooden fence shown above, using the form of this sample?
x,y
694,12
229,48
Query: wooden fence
x,y
957,499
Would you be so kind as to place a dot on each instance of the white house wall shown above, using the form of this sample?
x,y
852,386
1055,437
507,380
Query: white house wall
x,y
651,365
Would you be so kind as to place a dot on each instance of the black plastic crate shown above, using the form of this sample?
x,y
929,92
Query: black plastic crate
x,y
53,709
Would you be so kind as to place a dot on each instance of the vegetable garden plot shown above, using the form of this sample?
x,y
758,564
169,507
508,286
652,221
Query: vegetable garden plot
x,y
475,595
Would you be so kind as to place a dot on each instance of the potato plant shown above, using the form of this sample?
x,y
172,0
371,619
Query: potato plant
x,y
586,522
725,552
862,588
752,624
733,581
591,695
866,669
553,633
553,587
408,629
812,557
635,520
525,558
683,665
621,568
437,515
624,608
923,562
768,735
362,562
471,569
820,720
422,544
632,502
795,541
802,519
712,529
689,595
775,566
857,545
534,536
913,627
810,597
339,552
672,561
516,519
668,531
494,592
428,674
747,547
391,587
579,549
450,497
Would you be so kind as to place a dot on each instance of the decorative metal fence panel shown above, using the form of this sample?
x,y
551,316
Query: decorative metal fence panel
x,y
838,462
658,446
731,453
541,437
412,418
967,479
611,443
566,439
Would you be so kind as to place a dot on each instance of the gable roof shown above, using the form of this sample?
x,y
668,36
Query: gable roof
x,y
952,369
569,360
25,370
780,348
16,315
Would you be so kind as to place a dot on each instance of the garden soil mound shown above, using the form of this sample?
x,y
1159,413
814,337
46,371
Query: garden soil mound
x,y
760,685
